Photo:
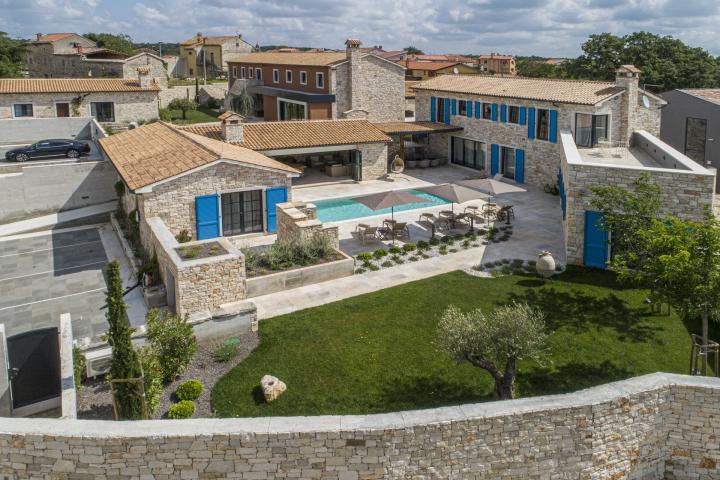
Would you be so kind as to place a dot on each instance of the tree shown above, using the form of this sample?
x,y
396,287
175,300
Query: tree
x,y
125,363
172,340
413,51
494,342
12,55
120,43
243,102
183,104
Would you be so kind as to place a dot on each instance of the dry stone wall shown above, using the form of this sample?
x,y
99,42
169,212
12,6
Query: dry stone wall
x,y
644,428
374,160
382,90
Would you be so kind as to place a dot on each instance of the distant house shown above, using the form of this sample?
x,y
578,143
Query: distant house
x,y
691,123
393,55
320,85
416,70
109,100
212,51
493,63
69,55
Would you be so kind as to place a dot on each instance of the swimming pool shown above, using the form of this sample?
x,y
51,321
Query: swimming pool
x,y
338,209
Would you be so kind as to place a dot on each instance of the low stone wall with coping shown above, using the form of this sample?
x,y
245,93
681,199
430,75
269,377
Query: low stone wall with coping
x,y
655,426
298,221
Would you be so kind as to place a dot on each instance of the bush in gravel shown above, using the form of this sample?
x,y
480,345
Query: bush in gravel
x,y
409,247
189,390
387,263
414,258
423,245
182,409
395,250
364,257
489,265
425,255
360,270
466,244
453,250
172,340
397,259
434,241
152,378
224,353
372,267
380,253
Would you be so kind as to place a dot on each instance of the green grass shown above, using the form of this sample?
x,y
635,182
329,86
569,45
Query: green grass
x,y
375,353
201,115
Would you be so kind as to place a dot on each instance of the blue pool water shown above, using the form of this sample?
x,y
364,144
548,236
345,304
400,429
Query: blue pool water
x,y
338,209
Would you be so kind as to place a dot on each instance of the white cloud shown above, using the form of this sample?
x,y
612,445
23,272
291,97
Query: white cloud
x,y
150,14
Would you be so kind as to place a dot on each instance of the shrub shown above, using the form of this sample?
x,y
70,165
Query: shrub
x,y
171,338
459,237
189,390
466,244
506,270
397,259
380,253
414,258
434,241
395,250
360,270
119,188
184,236
182,409
453,250
443,252
365,256
165,115
387,263
283,255
79,367
409,247
372,267
423,245
224,353
425,255
152,378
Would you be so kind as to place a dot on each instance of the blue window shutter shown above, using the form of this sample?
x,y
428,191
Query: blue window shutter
x,y
531,123
520,165
596,241
552,134
454,106
503,113
447,111
494,159
478,109
494,112
522,115
273,196
433,109
207,216
469,108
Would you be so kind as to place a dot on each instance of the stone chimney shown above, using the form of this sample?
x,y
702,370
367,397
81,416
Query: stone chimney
x,y
628,77
39,36
144,79
355,81
232,127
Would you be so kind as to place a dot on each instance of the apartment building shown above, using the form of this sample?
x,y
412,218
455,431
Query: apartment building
x,y
212,51
500,64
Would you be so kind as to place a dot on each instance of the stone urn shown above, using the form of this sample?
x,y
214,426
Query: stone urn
x,y
545,265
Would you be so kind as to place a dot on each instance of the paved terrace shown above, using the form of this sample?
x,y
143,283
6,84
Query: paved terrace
x,y
619,156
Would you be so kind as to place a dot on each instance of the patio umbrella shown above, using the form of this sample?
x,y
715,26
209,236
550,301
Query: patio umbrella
x,y
391,199
492,187
455,193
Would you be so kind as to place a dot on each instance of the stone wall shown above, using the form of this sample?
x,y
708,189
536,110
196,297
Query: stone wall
x,y
129,106
643,428
158,68
374,160
298,221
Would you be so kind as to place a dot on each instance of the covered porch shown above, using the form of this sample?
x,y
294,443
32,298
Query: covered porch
x,y
419,144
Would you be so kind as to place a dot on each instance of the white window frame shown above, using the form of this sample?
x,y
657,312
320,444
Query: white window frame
x,y
23,103
251,72
89,108
258,73
242,72
286,100
318,76
303,73
288,76
234,71
276,75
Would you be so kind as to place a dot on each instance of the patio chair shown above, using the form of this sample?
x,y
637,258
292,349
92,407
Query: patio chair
x,y
400,229
367,232
433,221
505,213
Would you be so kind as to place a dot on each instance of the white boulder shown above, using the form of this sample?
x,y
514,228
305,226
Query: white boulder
x,y
272,387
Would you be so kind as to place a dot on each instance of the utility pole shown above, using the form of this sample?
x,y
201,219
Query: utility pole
x,y
204,63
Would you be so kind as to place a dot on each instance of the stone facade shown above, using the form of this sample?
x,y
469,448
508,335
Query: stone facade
x,y
657,426
157,68
298,221
129,106
374,160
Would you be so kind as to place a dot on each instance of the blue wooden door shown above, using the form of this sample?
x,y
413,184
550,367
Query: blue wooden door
x,y
520,165
207,217
273,196
596,241
494,159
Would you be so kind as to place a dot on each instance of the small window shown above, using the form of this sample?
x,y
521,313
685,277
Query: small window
x,y
251,72
303,78
21,110
234,72
462,107
288,76
276,75
695,138
513,114
320,80
543,124
103,111
487,111
242,72
258,73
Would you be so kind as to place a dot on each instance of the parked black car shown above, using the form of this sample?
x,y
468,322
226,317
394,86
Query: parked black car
x,y
49,148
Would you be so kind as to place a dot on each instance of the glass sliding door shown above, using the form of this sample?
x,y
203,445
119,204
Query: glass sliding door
x,y
241,212
291,111
507,162
468,153
590,129
103,111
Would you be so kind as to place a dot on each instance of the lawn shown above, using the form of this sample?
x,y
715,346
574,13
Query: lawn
x,y
201,115
375,353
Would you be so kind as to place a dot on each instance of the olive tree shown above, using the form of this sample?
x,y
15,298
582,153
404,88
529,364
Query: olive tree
x,y
243,102
495,342
183,104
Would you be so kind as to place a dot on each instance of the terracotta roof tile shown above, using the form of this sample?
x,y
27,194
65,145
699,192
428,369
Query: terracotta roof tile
x,y
51,37
318,59
394,128
549,90
211,40
71,85
158,151
265,136
426,65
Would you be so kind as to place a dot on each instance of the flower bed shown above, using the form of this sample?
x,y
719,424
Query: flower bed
x,y
202,250
285,256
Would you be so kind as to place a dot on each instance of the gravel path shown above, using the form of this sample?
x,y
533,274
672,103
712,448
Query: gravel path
x,y
95,402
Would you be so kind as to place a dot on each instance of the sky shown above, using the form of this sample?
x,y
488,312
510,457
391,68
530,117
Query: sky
x,y
554,28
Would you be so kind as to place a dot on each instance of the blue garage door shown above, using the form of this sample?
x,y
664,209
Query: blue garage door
x,y
273,196
596,241
207,217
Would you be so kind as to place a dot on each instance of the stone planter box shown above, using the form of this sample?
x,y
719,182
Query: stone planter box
x,y
298,277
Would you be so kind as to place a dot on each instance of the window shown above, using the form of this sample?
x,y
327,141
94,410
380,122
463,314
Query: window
x,y
462,108
234,72
21,110
440,110
487,111
103,111
695,137
212,58
241,212
276,75
320,80
507,162
291,110
288,76
590,129
258,73
303,78
468,153
251,72
242,72
513,114
543,124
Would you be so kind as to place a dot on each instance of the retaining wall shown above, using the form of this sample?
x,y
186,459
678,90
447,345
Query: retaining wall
x,y
648,427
